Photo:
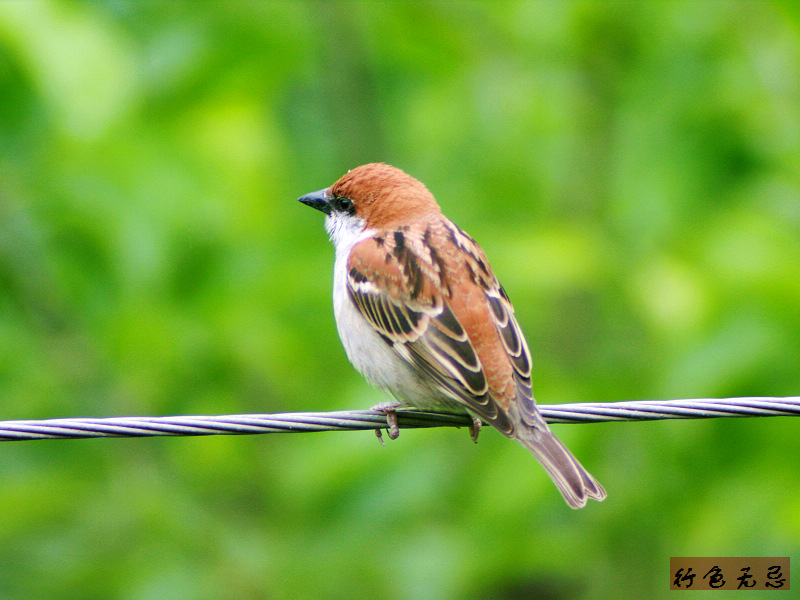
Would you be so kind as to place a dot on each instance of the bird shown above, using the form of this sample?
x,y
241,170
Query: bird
x,y
422,316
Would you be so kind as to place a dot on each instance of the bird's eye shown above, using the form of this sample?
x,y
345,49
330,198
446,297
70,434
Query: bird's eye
x,y
343,204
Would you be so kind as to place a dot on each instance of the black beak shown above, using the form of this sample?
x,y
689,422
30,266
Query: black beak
x,y
319,200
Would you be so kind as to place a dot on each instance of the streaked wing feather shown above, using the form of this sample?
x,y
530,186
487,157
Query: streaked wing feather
x,y
483,406
379,285
517,349
454,352
430,338
510,334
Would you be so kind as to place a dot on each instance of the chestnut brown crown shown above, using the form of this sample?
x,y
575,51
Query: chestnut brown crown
x,y
385,196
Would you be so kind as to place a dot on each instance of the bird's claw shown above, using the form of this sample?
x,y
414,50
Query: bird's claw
x,y
390,410
475,429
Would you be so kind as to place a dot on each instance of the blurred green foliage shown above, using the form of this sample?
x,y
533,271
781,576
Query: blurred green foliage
x,y
630,168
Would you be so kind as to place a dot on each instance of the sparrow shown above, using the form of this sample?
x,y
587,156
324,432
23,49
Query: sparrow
x,y
421,315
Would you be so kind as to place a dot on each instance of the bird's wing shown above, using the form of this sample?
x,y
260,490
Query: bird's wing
x,y
428,291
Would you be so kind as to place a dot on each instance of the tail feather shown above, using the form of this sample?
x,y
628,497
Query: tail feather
x,y
574,482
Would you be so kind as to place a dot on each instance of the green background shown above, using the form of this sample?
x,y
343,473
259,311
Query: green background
x,y
631,169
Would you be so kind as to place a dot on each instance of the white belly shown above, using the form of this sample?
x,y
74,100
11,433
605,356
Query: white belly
x,y
380,363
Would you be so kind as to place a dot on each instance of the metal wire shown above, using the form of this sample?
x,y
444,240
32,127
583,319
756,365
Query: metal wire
x,y
647,410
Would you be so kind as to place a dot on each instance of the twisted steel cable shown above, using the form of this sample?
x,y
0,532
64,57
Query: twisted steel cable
x,y
645,410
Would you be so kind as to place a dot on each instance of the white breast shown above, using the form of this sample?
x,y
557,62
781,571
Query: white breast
x,y
376,360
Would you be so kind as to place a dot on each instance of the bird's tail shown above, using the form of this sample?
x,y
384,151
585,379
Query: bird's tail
x,y
574,482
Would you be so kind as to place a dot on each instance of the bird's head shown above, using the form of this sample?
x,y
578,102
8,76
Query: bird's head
x,y
373,196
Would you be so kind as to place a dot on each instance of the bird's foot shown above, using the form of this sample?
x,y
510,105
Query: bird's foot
x,y
475,429
390,410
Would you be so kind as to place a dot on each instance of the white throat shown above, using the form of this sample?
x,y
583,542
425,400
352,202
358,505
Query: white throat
x,y
345,231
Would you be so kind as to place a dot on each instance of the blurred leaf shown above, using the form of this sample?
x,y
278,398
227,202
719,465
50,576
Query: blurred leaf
x,y
630,169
